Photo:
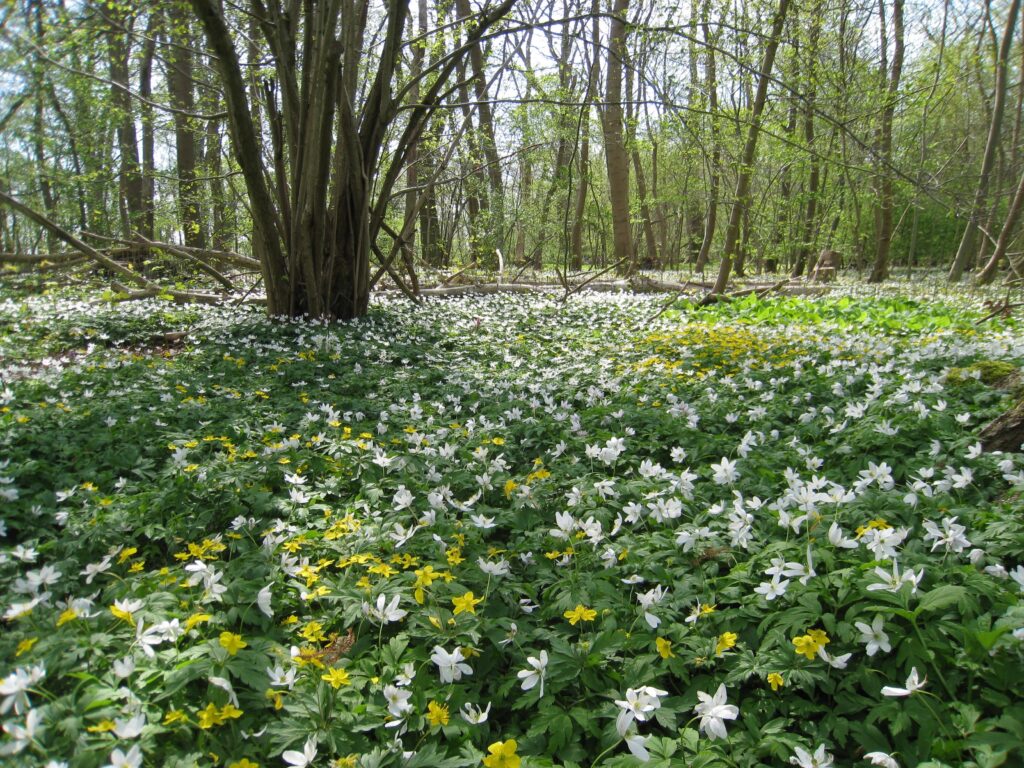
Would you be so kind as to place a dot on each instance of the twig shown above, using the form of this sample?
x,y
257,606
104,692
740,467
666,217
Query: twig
x,y
569,292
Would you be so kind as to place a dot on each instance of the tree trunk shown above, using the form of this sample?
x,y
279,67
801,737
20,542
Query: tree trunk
x,y
317,217
810,228
474,185
180,66
884,203
576,237
746,163
130,188
432,248
39,122
782,226
148,130
714,170
412,166
968,243
650,259
616,158
487,141
923,149
987,275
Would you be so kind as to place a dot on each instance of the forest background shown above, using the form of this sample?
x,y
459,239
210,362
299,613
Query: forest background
x,y
326,146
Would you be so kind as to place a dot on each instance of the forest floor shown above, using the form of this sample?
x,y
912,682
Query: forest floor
x,y
511,531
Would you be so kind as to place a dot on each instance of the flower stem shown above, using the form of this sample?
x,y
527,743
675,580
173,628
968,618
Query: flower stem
x,y
610,748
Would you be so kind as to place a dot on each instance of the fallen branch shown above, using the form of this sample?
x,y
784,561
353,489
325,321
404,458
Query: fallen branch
x,y
149,288
759,291
608,286
38,258
180,297
45,261
203,265
228,257
1004,308
452,277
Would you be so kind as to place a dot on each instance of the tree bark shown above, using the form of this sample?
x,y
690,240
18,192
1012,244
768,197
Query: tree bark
x,y
616,158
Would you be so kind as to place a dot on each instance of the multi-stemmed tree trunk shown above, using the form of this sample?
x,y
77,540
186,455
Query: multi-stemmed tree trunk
x,y
316,223
745,167
969,242
616,157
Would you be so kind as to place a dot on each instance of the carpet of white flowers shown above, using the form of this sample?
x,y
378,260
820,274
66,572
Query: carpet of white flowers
x,y
510,531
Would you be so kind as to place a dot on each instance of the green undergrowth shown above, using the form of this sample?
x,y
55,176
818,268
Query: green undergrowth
x,y
509,531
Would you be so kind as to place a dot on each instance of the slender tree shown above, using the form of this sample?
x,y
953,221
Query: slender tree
x,y
583,175
969,242
884,202
745,168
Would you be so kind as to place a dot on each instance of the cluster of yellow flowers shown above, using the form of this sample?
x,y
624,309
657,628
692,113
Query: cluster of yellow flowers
x,y
213,715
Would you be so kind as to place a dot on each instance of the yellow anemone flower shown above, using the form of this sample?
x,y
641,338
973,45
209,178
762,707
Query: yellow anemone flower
x,y
502,755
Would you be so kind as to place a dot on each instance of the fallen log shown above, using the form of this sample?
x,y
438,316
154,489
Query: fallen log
x,y
643,284
1005,432
483,289
40,258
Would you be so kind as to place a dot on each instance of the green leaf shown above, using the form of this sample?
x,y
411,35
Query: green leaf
x,y
941,597
429,756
